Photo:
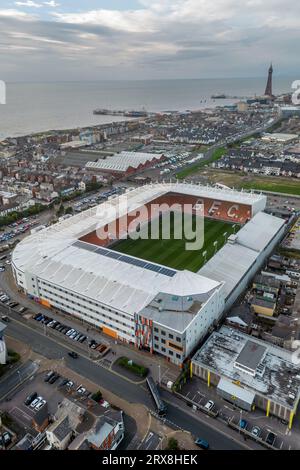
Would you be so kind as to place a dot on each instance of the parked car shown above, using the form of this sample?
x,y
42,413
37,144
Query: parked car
x,y
270,439
35,402
209,405
202,444
70,332
243,423
23,310
73,354
5,318
6,437
77,337
256,431
40,405
48,376
81,390
70,384
54,378
30,398
63,382
82,339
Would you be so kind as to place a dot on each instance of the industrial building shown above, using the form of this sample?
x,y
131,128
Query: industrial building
x,y
250,373
125,163
154,307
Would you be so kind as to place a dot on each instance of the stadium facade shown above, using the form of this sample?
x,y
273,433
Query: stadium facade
x,y
154,307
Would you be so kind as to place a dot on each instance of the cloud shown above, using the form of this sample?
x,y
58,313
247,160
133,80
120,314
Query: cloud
x,y
29,3
52,4
161,38
16,14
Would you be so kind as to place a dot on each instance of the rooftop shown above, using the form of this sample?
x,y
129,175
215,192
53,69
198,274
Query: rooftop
x,y
276,377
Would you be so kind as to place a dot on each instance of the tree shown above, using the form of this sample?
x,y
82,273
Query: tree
x,y
69,210
60,211
172,444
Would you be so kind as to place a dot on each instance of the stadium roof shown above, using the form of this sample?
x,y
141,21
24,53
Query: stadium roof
x,y
251,240
123,160
55,254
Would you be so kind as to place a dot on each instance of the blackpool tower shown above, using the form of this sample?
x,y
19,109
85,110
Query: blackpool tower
x,y
268,91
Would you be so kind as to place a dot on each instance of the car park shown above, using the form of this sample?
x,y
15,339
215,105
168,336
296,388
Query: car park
x,y
209,405
30,398
202,444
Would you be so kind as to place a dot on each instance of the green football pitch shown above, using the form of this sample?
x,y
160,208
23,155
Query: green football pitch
x,y
172,252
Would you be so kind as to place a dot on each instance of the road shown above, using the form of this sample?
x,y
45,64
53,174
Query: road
x,y
131,392
17,376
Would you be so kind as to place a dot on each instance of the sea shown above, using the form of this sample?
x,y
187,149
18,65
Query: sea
x,y
37,107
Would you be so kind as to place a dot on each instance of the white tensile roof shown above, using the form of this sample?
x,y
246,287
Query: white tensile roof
x,y
123,160
233,260
54,253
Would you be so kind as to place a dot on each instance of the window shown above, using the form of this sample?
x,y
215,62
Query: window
x,y
171,336
178,356
178,339
163,349
163,341
156,338
170,353
156,330
163,333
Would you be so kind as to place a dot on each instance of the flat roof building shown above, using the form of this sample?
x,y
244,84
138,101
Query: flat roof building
x,y
265,373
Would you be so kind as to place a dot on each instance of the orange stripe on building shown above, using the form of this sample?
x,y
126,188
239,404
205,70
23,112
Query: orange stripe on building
x,y
45,303
110,332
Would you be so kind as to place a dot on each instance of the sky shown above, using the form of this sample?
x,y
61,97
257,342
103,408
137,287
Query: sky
x,y
147,39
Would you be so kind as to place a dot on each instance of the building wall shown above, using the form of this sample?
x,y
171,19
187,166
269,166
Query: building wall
x,y
115,323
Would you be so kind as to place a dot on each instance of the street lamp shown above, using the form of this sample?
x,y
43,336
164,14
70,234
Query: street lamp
x,y
225,235
19,374
159,374
216,245
204,254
